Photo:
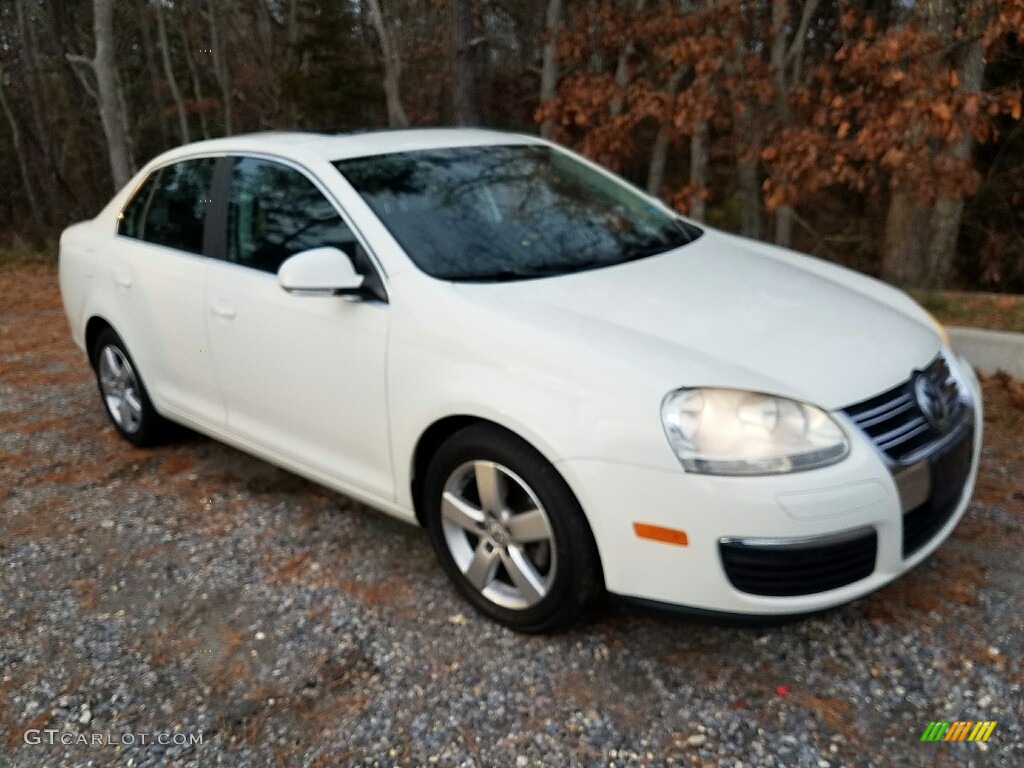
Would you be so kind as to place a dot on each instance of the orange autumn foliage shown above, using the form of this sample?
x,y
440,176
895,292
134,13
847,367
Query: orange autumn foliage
x,y
868,109
886,110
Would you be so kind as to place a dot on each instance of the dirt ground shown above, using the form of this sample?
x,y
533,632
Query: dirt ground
x,y
193,589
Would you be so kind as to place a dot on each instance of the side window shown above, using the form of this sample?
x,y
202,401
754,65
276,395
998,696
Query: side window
x,y
133,217
275,212
176,211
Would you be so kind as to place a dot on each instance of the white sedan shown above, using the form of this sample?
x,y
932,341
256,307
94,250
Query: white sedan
x,y
573,389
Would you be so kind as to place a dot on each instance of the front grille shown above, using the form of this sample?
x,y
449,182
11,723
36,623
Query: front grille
x,y
895,421
949,473
780,569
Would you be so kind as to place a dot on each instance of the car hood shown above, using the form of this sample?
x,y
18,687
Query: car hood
x,y
728,312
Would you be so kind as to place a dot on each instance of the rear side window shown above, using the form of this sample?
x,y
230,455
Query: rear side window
x,y
133,217
170,208
275,212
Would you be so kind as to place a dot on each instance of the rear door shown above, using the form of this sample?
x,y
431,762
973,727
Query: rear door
x,y
303,377
159,275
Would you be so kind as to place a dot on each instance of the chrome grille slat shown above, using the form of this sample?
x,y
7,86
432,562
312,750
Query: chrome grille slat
x,y
885,412
894,420
887,445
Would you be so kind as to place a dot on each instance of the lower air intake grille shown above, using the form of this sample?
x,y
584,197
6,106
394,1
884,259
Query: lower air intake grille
x,y
803,568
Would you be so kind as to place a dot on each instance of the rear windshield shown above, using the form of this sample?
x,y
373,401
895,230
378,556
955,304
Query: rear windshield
x,y
510,212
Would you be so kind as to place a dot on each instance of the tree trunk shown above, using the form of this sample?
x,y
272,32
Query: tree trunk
x,y
154,77
784,213
172,83
946,215
108,92
39,97
785,58
906,232
747,145
220,69
659,152
920,241
549,65
622,68
659,157
750,195
19,152
392,67
466,88
699,170
197,87
293,22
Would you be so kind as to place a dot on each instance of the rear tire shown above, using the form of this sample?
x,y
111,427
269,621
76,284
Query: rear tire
x,y
123,394
509,532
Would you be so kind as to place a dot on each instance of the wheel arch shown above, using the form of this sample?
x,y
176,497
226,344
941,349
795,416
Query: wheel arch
x,y
439,431
93,328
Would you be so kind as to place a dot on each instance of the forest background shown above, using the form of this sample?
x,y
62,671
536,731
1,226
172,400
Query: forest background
x,y
886,136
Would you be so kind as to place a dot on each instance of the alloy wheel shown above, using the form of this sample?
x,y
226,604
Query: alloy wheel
x,y
498,534
120,388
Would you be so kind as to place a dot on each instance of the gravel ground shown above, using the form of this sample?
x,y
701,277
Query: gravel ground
x,y
193,591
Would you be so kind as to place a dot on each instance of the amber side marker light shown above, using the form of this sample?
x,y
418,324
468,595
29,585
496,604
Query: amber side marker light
x,y
658,533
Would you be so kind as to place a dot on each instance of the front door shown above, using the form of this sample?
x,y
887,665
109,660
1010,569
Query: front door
x,y
303,377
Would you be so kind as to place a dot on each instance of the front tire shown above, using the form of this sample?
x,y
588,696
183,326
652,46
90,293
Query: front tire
x,y
509,532
124,395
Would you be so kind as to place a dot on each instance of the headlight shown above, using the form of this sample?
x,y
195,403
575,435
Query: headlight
x,y
731,432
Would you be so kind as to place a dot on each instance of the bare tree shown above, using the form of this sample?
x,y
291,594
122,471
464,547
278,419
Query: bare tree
x,y
220,69
107,92
659,151
172,83
154,74
699,170
465,84
948,210
197,85
19,152
916,252
392,66
786,66
549,63
29,47
622,66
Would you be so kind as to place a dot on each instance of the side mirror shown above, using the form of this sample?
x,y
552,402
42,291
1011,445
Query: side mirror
x,y
320,270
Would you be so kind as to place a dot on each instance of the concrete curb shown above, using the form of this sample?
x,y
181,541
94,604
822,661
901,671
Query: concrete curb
x,y
990,351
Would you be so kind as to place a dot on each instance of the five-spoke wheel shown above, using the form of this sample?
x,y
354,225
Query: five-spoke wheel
x,y
120,388
498,534
509,531
124,395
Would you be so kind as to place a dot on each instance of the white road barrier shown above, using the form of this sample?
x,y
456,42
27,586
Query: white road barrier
x,y
990,351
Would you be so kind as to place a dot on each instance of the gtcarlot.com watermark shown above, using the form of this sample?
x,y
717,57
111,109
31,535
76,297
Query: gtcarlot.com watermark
x,y
126,739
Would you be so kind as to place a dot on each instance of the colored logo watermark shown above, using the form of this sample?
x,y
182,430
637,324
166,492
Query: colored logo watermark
x,y
959,730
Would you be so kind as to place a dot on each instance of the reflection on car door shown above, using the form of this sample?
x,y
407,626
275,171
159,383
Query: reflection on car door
x,y
159,272
303,376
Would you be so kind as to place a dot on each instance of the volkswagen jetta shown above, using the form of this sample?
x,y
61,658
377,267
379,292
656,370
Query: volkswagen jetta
x,y
571,387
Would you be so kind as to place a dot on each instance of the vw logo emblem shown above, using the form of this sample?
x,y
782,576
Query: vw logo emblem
x,y
931,399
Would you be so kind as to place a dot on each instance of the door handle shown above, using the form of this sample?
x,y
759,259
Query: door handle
x,y
223,311
123,279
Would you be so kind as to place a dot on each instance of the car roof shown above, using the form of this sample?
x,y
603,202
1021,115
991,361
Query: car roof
x,y
341,146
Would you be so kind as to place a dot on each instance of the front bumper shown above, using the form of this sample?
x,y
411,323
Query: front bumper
x,y
830,512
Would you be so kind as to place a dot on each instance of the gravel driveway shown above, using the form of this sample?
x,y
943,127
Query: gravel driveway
x,y
196,593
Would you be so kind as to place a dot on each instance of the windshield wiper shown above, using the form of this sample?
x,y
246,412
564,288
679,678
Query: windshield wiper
x,y
643,251
679,235
508,274
501,276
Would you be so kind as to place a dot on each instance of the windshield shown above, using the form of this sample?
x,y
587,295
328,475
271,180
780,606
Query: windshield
x,y
510,212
